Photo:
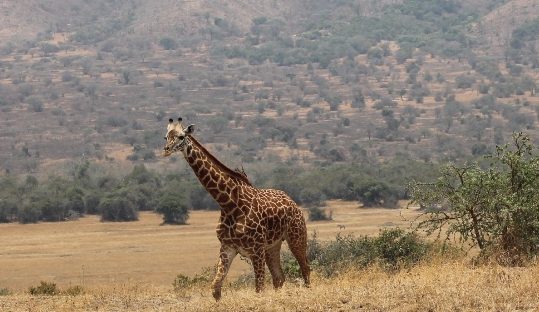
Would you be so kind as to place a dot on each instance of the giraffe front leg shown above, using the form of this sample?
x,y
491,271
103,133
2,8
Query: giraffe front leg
x,y
258,260
226,255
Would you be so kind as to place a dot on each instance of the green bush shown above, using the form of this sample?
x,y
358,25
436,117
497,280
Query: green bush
x,y
316,213
172,205
45,288
117,208
493,205
5,292
181,282
392,249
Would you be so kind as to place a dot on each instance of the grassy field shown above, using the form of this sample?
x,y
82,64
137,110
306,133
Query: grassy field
x,y
439,285
131,266
90,253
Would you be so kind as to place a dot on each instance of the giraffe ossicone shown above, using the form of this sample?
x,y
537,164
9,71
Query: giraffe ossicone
x,y
253,222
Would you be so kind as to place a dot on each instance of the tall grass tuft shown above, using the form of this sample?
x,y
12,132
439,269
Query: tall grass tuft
x,y
44,288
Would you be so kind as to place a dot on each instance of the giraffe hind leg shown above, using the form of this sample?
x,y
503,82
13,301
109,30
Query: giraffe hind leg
x,y
258,259
273,261
297,242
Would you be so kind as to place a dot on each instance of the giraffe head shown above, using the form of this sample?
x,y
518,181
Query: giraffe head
x,y
177,137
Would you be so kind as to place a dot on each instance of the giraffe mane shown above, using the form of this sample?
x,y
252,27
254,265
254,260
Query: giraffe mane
x,y
233,173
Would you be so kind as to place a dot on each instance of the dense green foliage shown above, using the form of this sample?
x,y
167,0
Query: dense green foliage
x,y
522,47
374,185
173,207
86,191
391,249
494,205
65,198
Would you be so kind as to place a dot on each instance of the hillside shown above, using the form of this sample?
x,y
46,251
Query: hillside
x,y
314,80
497,26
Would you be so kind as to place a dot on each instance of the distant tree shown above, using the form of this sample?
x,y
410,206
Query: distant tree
x,y
116,121
74,201
464,81
172,205
116,207
36,105
334,102
52,209
127,76
358,100
168,43
427,76
403,54
217,124
49,48
8,210
28,213
476,126
374,193
440,78
317,213
385,103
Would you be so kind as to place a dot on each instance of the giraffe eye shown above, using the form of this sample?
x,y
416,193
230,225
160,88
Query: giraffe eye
x,y
181,137
165,138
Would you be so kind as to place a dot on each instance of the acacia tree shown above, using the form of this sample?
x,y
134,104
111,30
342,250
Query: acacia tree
x,y
494,206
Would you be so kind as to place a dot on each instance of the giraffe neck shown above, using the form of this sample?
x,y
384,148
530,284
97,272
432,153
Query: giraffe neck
x,y
222,183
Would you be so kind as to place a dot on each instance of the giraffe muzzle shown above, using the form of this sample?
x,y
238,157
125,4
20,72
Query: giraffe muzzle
x,y
166,152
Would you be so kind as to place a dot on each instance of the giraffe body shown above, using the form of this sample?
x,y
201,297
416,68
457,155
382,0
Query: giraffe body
x,y
253,222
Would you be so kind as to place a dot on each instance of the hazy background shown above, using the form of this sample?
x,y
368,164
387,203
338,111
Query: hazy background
x,y
324,99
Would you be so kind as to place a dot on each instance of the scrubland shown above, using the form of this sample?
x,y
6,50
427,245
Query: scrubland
x,y
131,267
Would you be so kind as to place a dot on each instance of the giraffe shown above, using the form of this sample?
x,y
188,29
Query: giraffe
x,y
253,222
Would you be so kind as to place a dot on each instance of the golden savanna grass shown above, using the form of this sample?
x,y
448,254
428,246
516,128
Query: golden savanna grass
x,y
440,285
92,253
131,267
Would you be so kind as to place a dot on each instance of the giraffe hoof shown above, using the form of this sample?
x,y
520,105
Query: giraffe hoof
x,y
216,294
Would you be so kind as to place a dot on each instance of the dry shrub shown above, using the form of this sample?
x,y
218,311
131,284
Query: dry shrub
x,y
44,288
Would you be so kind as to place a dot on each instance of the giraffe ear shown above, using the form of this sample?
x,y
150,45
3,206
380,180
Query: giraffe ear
x,y
170,125
190,129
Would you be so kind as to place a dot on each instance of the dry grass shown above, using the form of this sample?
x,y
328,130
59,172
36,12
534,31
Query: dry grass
x,y
90,253
131,266
440,285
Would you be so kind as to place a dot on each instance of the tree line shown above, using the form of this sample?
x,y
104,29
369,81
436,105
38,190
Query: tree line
x,y
120,198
